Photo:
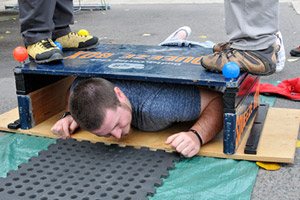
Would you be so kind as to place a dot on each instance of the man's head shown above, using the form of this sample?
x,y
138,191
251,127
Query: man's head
x,y
100,107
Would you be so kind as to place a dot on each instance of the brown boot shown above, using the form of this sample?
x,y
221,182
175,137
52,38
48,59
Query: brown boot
x,y
260,62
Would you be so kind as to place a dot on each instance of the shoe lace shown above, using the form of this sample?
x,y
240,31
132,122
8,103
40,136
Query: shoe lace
x,y
45,44
231,53
77,35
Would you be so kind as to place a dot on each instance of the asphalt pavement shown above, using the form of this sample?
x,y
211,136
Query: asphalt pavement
x,y
149,25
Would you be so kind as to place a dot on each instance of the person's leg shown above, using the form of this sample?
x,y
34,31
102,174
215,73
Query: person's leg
x,y
251,26
178,37
36,27
63,17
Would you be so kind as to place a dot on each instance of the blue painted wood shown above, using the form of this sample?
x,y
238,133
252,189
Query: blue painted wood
x,y
135,62
235,124
26,119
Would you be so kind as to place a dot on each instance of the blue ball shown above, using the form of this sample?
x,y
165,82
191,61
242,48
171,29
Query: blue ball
x,y
231,70
58,45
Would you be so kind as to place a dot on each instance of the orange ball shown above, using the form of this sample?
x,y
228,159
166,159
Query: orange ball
x,y
20,53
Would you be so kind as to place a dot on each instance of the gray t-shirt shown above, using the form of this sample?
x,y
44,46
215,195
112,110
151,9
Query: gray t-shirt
x,y
156,106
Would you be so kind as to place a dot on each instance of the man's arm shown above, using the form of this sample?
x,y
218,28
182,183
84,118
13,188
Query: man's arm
x,y
209,124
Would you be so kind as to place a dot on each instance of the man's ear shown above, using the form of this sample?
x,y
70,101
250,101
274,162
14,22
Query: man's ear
x,y
119,93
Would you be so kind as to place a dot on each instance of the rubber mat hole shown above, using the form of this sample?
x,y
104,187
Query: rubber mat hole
x,y
127,198
75,183
64,181
51,192
53,180
121,190
39,171
114,183
29,188
60,175
92,168
125,185
131,179
43,160
144,164
97,187
47,185
11,192
140,169
32,176
36,164
159,161
87,173
97,175
44,198
108,176
109,189
147,175
26,181
32,196
46,166
151,170
92,180
115,196
62,194
23,174
30,169
155,166
80,191
56,168
40,191
142,181
19,186
1,189
36,183
92,193
86,198
103,195
74,197
57,187
21,194
76,172
81,178
135,174
86,185
16,179
69,188
71,176
129,168
120,178
124,173
8,184
137,187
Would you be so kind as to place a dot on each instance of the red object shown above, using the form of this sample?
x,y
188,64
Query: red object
x,y
289,88
20,53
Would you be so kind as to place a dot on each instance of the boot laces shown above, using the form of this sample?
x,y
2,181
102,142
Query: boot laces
x,y
45,44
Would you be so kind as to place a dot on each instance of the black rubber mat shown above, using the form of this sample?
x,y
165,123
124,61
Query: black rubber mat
x,y
87,171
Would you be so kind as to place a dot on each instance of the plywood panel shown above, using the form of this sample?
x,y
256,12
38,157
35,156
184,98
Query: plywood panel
x,y
277,143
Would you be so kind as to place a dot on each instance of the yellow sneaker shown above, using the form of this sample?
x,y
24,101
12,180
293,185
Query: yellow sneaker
x,y
44,51
73,41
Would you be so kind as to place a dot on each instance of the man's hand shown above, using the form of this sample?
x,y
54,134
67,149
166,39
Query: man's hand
x,y
63,128
185,143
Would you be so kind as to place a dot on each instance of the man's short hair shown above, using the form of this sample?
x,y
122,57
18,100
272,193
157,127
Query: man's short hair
x,y
89,101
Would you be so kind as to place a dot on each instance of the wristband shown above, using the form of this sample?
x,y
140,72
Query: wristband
x,y
65,114
197,134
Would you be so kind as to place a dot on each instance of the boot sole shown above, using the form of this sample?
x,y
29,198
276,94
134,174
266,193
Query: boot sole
x,y
55,57
83,48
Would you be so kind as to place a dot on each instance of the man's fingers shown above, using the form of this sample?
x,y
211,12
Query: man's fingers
x,y
170,139
66,132
73,126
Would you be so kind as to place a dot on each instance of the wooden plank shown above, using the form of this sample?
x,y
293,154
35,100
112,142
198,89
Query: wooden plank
x,y
277,142
49,100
